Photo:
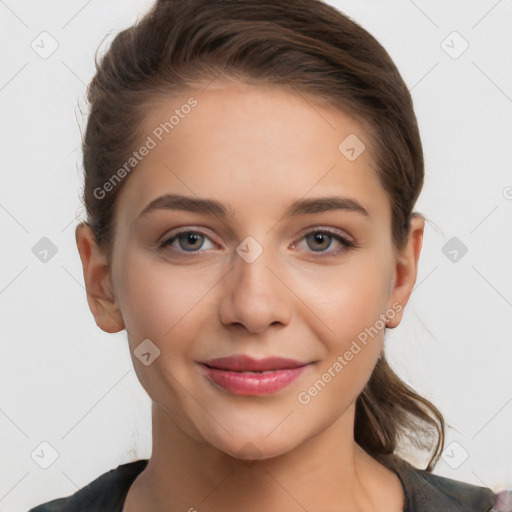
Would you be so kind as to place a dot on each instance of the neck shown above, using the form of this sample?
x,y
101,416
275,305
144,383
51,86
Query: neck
x,y
184,474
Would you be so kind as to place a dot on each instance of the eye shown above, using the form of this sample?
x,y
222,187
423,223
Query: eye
x,y
186,241
320,239
189,241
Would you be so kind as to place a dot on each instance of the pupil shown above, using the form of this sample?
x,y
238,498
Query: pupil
x,y
192,238
320,237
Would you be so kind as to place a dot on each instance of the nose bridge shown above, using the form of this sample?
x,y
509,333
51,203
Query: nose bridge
x,y
252,275
256,297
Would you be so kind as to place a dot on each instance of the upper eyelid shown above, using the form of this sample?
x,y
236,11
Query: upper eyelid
x,y
186,229
334,231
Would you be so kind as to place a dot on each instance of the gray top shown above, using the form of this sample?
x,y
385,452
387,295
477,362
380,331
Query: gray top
x,y
424,492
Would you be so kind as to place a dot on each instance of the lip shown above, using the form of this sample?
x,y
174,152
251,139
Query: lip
x,y
241,363
231,373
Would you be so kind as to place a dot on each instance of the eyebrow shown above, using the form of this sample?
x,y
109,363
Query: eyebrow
x,y
213,207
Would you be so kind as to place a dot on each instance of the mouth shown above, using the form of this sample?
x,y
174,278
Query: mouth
x,y
244,375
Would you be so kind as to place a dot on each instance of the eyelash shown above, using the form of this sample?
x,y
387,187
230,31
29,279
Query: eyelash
x,y
347,244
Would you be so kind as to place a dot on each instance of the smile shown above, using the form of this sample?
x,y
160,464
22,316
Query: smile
x,y
243,375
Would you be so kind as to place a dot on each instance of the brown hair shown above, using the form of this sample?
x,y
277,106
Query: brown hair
x,y
311,47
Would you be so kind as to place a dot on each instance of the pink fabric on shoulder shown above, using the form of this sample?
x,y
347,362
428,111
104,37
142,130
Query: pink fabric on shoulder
x,y
503,501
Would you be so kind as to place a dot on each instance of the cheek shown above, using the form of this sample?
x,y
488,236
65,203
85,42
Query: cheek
x,y
167,305
352,309
347,300
161,301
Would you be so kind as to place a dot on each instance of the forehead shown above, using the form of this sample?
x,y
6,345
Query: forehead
x,y
256,148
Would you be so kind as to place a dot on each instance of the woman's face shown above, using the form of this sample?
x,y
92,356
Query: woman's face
x,y
256,280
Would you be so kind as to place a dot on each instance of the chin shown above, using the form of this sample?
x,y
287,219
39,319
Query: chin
x,y
252,446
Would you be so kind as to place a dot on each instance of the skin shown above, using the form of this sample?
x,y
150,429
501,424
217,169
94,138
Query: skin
x,y
256,149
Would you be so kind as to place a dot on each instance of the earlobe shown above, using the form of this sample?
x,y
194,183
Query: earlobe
x,y
406,270
97,281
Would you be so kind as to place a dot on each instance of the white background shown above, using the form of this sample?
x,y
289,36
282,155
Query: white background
x,y
66,382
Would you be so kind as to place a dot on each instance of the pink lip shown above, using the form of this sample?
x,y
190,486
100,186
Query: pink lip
x,y
229,374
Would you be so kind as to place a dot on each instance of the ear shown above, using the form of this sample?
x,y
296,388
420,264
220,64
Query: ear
x,y
98,282
406,269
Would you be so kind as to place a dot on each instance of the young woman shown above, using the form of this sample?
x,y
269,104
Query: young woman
x,y
251,170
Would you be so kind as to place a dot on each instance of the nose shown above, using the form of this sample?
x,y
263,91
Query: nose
x,y
256,295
